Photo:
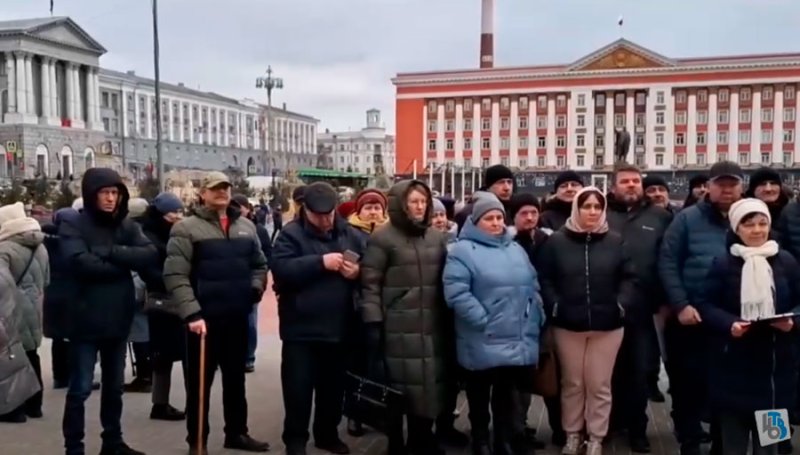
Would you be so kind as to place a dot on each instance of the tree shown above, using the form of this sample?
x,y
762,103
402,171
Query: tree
x,y
39,190
12,194
65,196
149,188
239,183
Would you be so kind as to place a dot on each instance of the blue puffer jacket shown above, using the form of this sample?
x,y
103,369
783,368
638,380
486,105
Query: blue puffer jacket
x,y
696,236
493,289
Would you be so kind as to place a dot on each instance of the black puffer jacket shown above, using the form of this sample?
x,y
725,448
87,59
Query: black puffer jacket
x,y
588,280
554,214
787,229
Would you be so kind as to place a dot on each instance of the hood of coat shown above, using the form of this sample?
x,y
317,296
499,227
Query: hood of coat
x,y
93,181
474,233
28,239
398,215
14,221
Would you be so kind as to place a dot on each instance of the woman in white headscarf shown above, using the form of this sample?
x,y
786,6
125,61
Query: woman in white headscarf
x,y
752,359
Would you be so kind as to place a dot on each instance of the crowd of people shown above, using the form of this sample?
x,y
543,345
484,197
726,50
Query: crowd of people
x,y
579,298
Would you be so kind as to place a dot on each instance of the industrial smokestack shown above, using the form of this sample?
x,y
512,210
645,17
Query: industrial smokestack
x,y
487,33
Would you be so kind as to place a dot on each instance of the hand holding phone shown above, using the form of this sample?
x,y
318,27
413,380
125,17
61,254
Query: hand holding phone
x,y
351,256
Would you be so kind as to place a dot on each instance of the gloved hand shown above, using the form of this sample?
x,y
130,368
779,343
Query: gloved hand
x,y
376,362
256,294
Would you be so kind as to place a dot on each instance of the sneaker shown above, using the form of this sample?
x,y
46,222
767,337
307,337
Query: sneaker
x,y
121,449
573,445
166,412
333,446
594,448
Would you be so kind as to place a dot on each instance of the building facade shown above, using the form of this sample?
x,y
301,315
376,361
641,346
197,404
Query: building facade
x,y
682,114
367,151
62,113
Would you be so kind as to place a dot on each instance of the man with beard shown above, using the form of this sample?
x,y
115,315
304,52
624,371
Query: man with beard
x,y
556,211
695,237
498,180
642,225
657,191
698,187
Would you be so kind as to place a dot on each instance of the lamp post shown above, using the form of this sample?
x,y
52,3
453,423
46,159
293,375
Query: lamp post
x,y
269,83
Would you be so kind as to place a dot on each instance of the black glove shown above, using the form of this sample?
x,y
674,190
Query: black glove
x,y
256,294
376,362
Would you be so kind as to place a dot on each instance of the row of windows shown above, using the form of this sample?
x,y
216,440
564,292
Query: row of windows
x,y
745,116
744,137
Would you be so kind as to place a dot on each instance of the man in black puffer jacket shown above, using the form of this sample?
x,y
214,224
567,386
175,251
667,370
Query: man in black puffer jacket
x,y
101,248
556,210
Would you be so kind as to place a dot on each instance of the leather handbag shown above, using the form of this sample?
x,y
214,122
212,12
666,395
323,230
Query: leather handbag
x,y
545,376
373,404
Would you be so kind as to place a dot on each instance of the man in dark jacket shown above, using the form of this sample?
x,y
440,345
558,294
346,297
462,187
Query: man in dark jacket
x,y
696,236
656,190
215,272
316,280
101,249
698,187
766,184
556,210
498,180
642,226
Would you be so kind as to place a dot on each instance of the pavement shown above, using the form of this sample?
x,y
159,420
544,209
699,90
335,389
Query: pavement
x,y
43,436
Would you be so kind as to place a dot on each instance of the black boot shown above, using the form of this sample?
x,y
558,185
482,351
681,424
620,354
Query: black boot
x,y
166,412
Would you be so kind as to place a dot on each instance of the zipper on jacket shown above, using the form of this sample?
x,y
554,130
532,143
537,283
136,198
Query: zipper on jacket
x,y
588,286
555,310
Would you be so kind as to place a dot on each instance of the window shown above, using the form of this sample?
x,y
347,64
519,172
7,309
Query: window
x,y
702,117
680,159
766,136
639,140
504,123
580,121
468,105
788,114
523,163
467,143
765,158
744,158
467,162
600,100
504,161
541,142
432,144
561,161
581,100
542,102
641,99
722,117
485,143
619,120
766,115
523,103
505,104
486,104
702,96
580,140
486,124
787,159
744,136
599,121
449,144
660,97
659,159
431,107
680,118
744,94
561,121
450,125
523,142
659,138
580,161
640,120
789,92
722,156
504,143
431,126
485,162
701,159
766,93
722,137
701,138
450,106
723,95
659,118
680,138
619,99
744,115
598,159
467,124
523,123
541,121
561,101
561,141
540,161
599,141
680,97
788,136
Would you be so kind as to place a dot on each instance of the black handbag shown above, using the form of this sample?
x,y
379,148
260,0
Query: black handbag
x,y
373,404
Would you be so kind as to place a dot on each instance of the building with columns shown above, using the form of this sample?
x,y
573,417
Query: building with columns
x,y
366,151
682,115
61,114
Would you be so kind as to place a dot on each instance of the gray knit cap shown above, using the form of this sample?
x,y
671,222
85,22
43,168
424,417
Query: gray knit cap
x,y
438,206
484,205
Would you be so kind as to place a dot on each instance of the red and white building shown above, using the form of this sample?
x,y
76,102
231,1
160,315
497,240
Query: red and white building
x,y
682,114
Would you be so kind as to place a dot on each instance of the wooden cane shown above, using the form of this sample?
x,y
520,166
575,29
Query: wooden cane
x,y
201,400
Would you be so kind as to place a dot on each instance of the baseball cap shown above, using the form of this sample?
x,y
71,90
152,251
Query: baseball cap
x,y
725,169
320,197
214,179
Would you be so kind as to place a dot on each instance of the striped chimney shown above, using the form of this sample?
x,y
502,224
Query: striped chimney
x,y
487,33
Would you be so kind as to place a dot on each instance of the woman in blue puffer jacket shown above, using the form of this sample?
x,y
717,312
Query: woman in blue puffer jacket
x,y
494,292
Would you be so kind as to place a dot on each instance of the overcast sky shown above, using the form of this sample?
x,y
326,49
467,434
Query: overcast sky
x,y
337,56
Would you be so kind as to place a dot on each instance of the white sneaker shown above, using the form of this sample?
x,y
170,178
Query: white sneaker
x,y
594,448
574,444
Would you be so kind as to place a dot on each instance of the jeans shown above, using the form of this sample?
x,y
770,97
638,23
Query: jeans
x,y
83,355
736,431
252,335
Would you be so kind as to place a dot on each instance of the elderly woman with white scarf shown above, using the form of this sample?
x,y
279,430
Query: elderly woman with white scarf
x,y
752,357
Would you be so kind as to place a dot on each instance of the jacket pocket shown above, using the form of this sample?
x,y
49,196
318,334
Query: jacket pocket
x,y
502,325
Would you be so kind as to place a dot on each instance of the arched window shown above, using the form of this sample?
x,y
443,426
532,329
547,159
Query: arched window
x,y
42,160
66,162
88,158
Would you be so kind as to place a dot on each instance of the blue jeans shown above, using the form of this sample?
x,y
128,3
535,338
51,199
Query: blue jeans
x,y
252,335
83,356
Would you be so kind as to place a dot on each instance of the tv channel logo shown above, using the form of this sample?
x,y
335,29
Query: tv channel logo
x,y
772,426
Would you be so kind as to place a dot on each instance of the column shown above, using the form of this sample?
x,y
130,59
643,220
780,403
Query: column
x,y
458,142
76,81
777,128
171,120
124,113
22,80
610,129
225,137
733,128
69,85
755,128
45,96
29,84
513,145
91,100
440,141
189,111
691,129
148,106
181,121
54,95
136,115
239,130
11,72
96,93
218,124
551,159
711,139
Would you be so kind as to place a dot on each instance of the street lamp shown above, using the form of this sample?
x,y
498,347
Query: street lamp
x,y
269,83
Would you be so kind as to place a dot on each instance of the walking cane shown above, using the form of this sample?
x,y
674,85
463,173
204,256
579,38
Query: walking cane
x,y
201,401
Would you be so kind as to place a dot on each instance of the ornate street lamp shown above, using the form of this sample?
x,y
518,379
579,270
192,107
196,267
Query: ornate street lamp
x,y
269,83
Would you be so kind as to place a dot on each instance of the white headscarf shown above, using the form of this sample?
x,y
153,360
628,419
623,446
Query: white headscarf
x,y
758,284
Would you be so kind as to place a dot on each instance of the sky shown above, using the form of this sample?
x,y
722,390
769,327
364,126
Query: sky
x,y
337,57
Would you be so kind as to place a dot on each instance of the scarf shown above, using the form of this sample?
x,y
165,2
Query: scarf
x,y
758,285
572,223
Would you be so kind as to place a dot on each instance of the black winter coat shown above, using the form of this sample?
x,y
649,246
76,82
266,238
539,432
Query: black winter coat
x,y
532,243
314,304
554,214
101,250
787,229
588,280
60,291
757,371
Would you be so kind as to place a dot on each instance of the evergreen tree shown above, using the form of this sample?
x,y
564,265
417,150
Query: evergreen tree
x,y
39,191
12,194
65,196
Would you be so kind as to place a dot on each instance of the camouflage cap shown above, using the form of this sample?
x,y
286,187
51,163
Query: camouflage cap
x,y
214,179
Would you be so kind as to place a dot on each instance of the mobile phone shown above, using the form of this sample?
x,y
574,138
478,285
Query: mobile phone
x,y
351,256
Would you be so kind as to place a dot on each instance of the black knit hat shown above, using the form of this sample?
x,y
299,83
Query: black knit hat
x,y
520,200
449,206
654,180
567,176
697,181
496,173
761,176
298,193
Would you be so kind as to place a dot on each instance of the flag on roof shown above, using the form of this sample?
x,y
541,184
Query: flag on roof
x,y
619,21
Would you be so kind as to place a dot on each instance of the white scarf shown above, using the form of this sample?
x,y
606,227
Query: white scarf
x,y
758,285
